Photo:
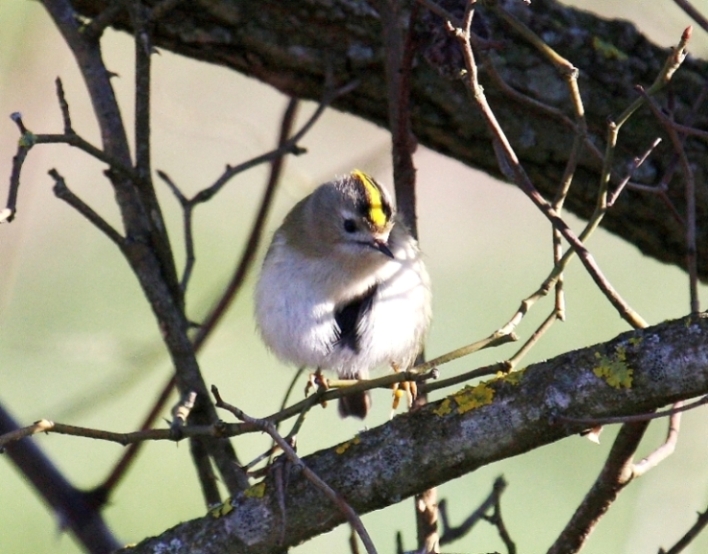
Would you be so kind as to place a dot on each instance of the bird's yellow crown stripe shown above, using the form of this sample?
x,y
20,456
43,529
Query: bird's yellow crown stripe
x,y
373,193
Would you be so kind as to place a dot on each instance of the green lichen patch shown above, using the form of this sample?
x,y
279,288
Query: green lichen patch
x,y
614,370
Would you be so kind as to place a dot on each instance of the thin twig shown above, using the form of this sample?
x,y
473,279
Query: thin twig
x,y
451,533
690,535
205,471
636,163
121,467
256,235
493,369
558,201
665,450
288,147
693,13
142,39
288,392
62,192
187,211
143,68
268,427
634,418
690,196
220,429
23,147
498,522
398,62
495,339
512,362
28,140
148,251
227,297
615,475
98,24
510,166
64,107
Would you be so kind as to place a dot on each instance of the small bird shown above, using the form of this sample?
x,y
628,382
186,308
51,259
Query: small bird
x,y
343,287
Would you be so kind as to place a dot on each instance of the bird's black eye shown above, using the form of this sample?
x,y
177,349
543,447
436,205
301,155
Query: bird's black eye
x,y
349,225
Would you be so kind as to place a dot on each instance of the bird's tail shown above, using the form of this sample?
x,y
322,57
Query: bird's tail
x,y
355,405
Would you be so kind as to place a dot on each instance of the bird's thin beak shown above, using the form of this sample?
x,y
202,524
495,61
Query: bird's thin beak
x,y
381,246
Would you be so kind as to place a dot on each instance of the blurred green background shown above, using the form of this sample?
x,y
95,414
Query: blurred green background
x,y
78,343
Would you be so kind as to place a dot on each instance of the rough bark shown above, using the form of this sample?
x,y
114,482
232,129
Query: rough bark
x,y
446,439
290,45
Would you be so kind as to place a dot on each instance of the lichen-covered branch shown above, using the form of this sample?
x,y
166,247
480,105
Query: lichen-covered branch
x,y
636,372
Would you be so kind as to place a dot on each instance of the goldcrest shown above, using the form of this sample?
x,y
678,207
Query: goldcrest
x,y
343,286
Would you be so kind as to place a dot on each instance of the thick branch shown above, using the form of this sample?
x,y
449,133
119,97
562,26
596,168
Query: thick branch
x,y
459,434
74,508
290,46
147,246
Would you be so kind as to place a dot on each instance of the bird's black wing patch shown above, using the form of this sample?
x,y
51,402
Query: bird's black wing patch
x,y
348,318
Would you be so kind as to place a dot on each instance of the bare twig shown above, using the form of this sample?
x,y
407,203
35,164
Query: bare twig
x,y
512,362
23,147
187,211
205,472
693,13
498,522
451,533
690,195
217,312
399,50
63,193
98,24
143,158
28,140
288,147
64,107
636,163
665,450
495,339
619,470
121,467
148,251
558,201
268,427
677,408
493,369
219,429
690,535
509,165
256,234
615,475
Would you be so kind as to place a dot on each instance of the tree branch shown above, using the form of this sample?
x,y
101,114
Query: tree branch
x,y
459,434
73,507
291,48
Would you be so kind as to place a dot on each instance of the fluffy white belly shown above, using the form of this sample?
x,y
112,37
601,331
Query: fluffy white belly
x,y
296,316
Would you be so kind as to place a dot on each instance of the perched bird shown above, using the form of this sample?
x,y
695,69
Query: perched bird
x,y
343,286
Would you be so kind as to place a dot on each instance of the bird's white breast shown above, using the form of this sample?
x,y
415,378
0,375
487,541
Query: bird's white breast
x,y
296,299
